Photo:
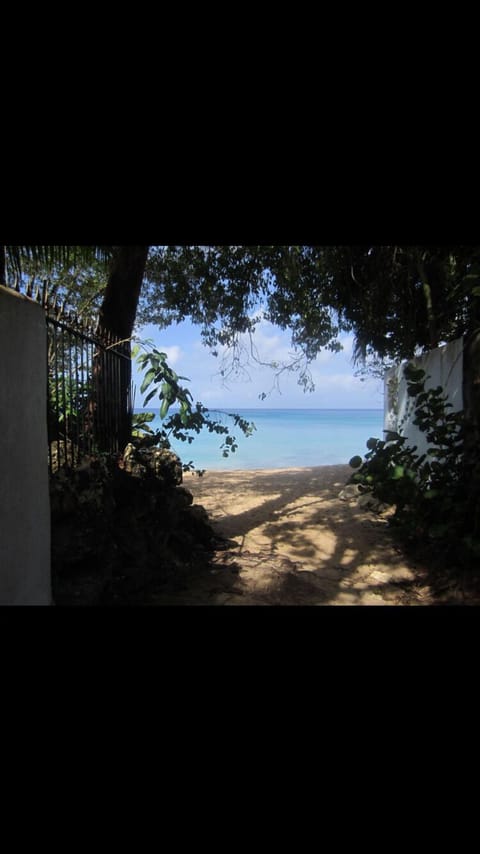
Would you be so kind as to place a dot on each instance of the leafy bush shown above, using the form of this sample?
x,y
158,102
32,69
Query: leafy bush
x,y
426,490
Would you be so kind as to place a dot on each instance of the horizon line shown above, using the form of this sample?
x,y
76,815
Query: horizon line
x,y
282,408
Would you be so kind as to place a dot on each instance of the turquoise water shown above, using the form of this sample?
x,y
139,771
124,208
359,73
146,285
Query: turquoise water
x,y
285,438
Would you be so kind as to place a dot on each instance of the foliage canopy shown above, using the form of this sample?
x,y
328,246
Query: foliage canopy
x,y
397,300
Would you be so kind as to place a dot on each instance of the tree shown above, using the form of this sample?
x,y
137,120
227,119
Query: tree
x,y
78,275
117,317
228,290
78,286
124,267
35,260
397,300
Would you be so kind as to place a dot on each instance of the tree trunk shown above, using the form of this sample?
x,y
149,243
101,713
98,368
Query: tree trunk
x,y
119,308
117,318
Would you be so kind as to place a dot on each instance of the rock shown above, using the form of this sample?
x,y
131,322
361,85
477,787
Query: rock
x,y
167,465
109,514
195,522
184,495
129,457
368,502
160,462
349,492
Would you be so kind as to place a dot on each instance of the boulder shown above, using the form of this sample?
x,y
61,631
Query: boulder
x,y
349,492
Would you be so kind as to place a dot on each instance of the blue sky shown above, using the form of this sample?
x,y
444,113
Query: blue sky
x,y
336,387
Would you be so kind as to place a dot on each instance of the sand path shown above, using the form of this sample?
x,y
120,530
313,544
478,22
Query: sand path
x,y
295,542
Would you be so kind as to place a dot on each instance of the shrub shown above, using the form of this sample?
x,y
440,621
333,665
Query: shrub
x,y
426,490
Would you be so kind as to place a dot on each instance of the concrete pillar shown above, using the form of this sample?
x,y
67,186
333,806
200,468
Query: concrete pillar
x,y
25,572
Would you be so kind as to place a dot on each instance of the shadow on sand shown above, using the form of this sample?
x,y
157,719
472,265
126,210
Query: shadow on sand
x,y
297,543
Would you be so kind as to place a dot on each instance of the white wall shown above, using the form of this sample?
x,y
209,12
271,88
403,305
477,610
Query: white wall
x,y
445,367
25,575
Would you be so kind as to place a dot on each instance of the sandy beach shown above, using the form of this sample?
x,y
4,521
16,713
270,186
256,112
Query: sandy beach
x,y
294,541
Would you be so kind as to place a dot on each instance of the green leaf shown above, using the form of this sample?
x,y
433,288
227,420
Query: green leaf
x,y
355,462
413,373
392,436
414,389
141,428
147,380
143,417
149,396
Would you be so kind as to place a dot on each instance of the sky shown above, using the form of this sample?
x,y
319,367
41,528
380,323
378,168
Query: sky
x,y
336,387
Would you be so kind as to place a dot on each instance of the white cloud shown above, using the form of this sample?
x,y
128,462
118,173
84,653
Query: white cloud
x,y
332,373
174,354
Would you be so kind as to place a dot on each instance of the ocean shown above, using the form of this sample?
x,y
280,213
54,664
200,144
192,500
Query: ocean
x,y
284,438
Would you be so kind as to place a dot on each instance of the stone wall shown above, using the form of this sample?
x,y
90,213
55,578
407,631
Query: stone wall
x,y
25,573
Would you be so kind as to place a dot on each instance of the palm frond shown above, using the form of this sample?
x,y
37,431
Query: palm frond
x,y
50,255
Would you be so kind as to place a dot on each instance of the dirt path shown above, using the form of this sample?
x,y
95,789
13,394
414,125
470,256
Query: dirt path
x,y
295,542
